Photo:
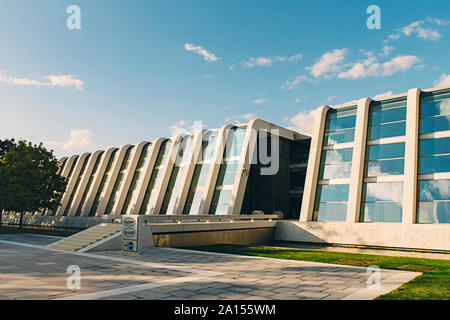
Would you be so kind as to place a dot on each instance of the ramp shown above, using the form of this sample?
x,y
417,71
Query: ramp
x,y
90,238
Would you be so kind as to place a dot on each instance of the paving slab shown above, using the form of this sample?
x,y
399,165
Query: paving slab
x,y
31,271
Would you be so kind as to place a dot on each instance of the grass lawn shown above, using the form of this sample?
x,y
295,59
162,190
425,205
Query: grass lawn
x,y
433,284
49,231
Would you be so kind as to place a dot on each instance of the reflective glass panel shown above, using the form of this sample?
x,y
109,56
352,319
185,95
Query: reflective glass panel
x,y
434,124
340,123
431,147
387,130
387,115
434,212
430,190
385,167
386,151
220,202
382,212
384,191
339,137
332,212
332,193
434,108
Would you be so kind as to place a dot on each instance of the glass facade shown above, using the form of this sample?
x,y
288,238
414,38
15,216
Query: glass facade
x,y
434,157
80,176
385,159
100,191
225,180
119,181
155,179
434,201
197,187
331,202
387,119
382,202
138,175
335,163
88,185
174,188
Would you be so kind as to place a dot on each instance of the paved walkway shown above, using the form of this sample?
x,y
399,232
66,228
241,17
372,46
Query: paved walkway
x,y
29,271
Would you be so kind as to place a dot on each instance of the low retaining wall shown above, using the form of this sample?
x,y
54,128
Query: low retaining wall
x,y
382,234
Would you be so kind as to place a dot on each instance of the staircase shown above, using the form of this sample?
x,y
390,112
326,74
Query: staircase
x,y
87,238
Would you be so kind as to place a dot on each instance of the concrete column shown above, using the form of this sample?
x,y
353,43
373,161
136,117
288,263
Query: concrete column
x,y
83,182
71,184
142,187
167,171
96,182
359,154
69,163
134,159
411,156
109,186
189,168
214,169
312,172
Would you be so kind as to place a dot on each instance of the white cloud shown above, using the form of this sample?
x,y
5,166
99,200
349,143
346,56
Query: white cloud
x,y
387,50
382,95
444,80
331,98
371,67
208,56
421,29
52,81
268,61
241,119
302,122
79,139
292,84
259,101
186,127
297,100
328,63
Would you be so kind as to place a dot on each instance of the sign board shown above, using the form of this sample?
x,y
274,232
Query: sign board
x,y
129,245
130,229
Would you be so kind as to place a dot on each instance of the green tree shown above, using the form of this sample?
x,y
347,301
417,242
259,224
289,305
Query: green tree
x,y
29,179
5,146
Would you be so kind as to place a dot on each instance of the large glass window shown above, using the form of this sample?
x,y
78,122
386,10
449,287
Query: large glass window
x,y
198,182
382,202
387,119
119,181
100,192
339,127
155,178
434,155
385,159
88,186
77,183
336,163
435,112
133,191
331,202
331,199
434,201
228,169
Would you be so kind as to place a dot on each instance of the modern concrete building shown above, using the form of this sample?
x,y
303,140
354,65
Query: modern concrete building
x,y
376,172
232,170
379,173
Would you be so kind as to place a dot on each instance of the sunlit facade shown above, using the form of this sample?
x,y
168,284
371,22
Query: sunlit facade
x,y
213,172
385,160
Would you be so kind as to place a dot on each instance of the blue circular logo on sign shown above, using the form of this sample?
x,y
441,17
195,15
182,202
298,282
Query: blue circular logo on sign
x,y
130,245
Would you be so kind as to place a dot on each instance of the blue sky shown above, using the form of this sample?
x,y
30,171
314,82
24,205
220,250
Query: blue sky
x,y
138,70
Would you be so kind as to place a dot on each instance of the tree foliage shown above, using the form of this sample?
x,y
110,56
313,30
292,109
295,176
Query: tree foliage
x,y
29,179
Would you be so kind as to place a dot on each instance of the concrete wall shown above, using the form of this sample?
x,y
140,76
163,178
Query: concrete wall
x,y
248,236
398,235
